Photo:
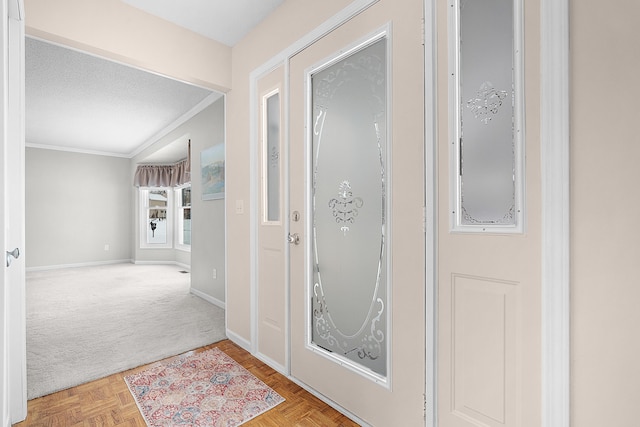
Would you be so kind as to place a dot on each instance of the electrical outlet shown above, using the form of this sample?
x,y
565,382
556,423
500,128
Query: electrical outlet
x,y
106,247
215,273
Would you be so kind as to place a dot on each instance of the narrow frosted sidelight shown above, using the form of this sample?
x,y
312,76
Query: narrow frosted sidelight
x,y
272,157
349,283
486,162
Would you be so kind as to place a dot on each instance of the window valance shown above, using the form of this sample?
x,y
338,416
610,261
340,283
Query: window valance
x,y
164,175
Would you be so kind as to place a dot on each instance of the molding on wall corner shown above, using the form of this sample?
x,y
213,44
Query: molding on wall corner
x,y
555,146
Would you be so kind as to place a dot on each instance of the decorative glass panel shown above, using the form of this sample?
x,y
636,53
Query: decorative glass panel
x,y
487,130
157,216
272,157
349,132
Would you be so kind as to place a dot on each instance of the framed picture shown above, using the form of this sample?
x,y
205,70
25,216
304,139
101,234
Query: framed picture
x,y
212,172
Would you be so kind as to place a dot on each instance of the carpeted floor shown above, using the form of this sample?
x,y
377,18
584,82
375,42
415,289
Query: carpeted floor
x,y
86,323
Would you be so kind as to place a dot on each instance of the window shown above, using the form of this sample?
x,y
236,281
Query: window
x,y
487,117
183,217
156,230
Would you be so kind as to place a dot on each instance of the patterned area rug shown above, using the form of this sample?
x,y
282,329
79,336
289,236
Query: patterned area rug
x,y
205,389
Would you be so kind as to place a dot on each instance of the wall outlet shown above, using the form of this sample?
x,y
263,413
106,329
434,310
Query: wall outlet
x,y
106,247
215,273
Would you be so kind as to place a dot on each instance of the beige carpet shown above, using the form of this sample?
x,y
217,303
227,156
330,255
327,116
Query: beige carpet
x,y
89,322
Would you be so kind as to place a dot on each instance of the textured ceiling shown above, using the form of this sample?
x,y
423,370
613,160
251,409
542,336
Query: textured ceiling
x,y
84,103
80,102
226,21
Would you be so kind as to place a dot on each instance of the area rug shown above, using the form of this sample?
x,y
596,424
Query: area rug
x,y
204,389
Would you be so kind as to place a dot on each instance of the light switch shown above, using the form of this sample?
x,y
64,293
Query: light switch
x,y
239,206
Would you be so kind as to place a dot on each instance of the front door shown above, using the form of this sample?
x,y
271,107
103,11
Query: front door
x,y
357,263
489,230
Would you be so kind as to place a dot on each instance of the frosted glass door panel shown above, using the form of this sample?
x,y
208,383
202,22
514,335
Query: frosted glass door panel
x,y
272,157
349,119
487,163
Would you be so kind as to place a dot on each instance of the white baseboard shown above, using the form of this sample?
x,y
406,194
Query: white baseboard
x,y
272,363
208,298
237,339
246,345
82,264
329,402
179,264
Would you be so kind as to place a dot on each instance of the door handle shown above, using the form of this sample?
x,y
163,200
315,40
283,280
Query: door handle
x,y
293,238
14,253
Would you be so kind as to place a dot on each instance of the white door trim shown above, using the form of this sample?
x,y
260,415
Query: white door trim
x,y
430,211
16,340
555,125
555,160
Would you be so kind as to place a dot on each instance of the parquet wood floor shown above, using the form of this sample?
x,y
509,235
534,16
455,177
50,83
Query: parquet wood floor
x,y
108,402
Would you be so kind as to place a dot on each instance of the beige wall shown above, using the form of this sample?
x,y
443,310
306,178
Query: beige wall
x,y
117,31
605,148
207,223
76,204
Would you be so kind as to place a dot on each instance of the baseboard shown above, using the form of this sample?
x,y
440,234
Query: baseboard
x,y
179,264
246,345
330,402
82,264
237,339
272,363
208,298
185,266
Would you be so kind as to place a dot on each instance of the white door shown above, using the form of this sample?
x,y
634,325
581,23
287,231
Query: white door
x,y
489,231
14,275
357,298
271,331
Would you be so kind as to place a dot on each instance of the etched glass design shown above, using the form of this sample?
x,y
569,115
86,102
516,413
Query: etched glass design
x,y
487,102
272,157
345,207
486,105
349,283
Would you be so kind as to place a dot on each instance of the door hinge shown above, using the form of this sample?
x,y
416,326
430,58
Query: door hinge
x,y
460,156
424,219
424,406
422,30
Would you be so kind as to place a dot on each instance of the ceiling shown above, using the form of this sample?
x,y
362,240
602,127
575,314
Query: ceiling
x,y
83,103
226,21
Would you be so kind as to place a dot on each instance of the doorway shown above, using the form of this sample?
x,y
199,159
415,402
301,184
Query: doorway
x,y
374,369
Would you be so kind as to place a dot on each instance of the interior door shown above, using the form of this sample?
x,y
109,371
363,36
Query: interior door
x,y
489,233
271,284
356,177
